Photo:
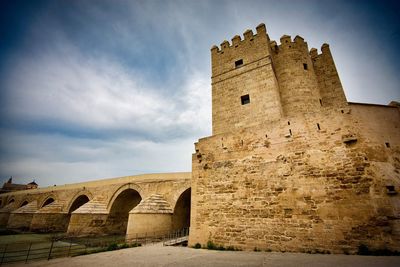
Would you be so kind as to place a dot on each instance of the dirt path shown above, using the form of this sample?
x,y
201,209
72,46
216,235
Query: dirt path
x,y
181,256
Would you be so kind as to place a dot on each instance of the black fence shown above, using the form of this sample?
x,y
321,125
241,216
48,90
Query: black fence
x,y
23,252
63,246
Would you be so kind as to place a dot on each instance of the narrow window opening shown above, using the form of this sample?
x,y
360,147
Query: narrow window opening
x,y
387,144
391,190
342,111
320,102
266,136
390,187
305,66
245,99
319,128
238,63
290,132
288,123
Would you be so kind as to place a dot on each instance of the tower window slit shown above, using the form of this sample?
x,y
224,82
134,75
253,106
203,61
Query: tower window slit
x,y
245,99
238,63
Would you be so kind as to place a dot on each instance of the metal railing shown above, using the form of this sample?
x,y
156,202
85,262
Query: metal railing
x,y
176,237
157,237
24,252
63,246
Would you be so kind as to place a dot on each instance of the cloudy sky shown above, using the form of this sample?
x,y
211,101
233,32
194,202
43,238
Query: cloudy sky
x,y
97,89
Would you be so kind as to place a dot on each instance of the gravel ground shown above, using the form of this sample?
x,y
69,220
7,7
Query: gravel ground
x,y
181,256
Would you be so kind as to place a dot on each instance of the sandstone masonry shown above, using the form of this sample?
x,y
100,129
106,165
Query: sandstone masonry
x,y
291,165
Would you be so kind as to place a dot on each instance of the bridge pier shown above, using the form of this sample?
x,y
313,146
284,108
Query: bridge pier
x,y
152,216
20,219
141,224
88,219
49,222
5,214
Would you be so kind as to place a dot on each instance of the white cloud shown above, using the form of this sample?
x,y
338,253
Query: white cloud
x,y
67,86
142,129
57,159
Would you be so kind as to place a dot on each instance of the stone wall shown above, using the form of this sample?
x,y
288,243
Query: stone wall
x,y
316,182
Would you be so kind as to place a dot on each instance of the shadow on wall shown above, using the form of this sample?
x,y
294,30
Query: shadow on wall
x,y
117,220
181,216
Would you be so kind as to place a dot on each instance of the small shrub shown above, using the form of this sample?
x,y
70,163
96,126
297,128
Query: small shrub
x,y
363,250
230,248
220,248
211,245
197,246
256,249
124,245
113,246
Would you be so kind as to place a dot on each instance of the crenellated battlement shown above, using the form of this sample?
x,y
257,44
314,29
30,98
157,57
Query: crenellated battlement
x,y
236,41
286,44
325,50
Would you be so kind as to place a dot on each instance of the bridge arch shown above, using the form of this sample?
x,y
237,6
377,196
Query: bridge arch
x,y
121,203
181,215
120,190
48,200
23,203
79,199
12,200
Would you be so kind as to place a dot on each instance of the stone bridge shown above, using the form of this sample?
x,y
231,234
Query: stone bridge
x,y
132,205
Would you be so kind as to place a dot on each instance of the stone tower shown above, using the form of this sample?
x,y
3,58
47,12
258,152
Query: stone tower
x,y
291,165
256,81
245,91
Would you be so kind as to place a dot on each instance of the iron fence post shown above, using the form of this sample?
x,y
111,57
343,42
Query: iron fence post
x,y
29,250
4,253
69,249
51,248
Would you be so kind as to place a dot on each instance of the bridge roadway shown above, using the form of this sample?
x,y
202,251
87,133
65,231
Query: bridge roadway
x,y
133,205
